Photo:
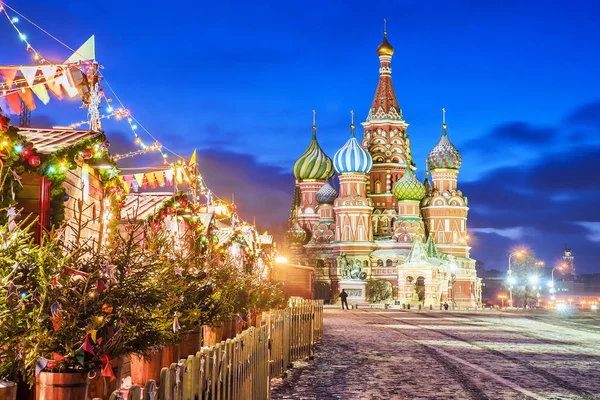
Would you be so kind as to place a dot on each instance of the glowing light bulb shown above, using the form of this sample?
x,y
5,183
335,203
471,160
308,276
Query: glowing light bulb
x,y
14,20
22,36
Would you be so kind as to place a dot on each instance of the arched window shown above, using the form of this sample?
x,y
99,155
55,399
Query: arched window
x,y
377,186
388,263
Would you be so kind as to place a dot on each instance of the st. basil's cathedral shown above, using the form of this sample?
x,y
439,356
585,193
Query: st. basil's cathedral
x,y
384,237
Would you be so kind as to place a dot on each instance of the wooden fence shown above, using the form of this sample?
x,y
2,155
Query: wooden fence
x,y
242,367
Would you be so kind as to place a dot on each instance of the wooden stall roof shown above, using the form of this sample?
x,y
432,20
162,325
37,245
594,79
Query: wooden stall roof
x,y
141,205
49,140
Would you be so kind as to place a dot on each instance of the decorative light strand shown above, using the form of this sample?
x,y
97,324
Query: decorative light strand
x,y
13,21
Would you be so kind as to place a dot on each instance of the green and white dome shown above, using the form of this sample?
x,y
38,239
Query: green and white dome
x,y
408,188
313,164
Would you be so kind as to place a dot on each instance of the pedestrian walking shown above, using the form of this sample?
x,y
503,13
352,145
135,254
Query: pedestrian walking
x,y
445,306
344,298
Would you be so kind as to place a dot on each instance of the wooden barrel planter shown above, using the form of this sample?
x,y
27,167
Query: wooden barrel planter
x,y
142,371
8,390
212,334
61,385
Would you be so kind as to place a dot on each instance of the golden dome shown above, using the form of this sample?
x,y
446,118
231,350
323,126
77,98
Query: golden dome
x,y
385,48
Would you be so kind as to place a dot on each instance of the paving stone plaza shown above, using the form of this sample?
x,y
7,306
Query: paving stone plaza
x,y
394,354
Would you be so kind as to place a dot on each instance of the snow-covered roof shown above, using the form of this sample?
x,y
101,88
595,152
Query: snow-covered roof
x,y
139,206
49,140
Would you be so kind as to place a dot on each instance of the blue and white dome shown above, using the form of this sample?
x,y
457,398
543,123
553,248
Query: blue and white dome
x,y
352,158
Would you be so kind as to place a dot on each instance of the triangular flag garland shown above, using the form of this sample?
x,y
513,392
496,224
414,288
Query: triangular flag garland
x,y
51,79
153,179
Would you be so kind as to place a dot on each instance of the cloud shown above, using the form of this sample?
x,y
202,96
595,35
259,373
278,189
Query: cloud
x,y
515,233
511,135
588,114
593,229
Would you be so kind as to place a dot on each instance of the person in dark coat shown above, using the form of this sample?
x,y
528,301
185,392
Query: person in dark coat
x,y
344,298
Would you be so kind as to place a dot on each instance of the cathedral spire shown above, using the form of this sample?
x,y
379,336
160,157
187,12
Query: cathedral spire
x,y
443,121
385,105
352,124
314,126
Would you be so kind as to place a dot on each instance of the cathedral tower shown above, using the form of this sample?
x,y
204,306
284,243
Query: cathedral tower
x,y
311,170
386,140
444,208
353,208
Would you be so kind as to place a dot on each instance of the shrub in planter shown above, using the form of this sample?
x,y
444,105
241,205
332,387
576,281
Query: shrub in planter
x,y
89,304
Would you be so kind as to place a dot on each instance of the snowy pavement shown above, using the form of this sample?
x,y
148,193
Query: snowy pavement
x,y
394,354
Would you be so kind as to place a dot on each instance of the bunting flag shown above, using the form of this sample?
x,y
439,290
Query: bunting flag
x,y
9,76
49,72
58,358
160,178
14,102
85,52
87,345
41,92
40,365
27,97
66,81
169,177
100,286
107,372
29,74
80,356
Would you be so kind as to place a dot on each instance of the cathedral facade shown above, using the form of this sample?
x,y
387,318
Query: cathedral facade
x,y
383,235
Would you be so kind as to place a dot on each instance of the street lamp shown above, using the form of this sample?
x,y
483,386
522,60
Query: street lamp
x,y
452,268
502,297
510,278
553,290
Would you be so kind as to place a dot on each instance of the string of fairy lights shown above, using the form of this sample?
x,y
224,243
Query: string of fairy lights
x,y
119,113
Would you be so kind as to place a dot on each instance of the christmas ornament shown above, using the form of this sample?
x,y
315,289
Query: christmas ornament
x,y
34,161
107,308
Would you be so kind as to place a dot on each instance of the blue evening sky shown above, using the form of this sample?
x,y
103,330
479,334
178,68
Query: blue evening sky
x,y
238,81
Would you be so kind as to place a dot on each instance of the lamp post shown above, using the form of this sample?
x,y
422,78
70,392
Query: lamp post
x,y
553,288
511,279
452,268
502,297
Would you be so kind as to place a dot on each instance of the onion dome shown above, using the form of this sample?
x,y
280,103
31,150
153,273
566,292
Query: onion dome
x,y
352,158
313,163
327,194
408,188
444,154
385,48
296,235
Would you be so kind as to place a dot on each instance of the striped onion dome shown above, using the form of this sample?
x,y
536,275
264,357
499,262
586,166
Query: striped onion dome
x,y
352,158
444,154
408,187
327,194
313,163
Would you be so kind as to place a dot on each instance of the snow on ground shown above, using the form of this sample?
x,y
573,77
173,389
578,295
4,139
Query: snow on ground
x,y
392,354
